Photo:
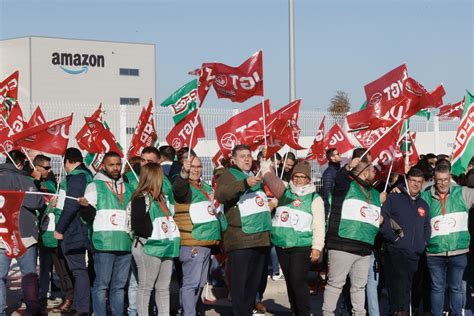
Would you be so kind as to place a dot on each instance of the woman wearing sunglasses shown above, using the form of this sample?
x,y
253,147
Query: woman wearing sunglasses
x,y
297,229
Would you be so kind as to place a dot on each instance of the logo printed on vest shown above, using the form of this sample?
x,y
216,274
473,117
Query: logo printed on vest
x,y
371,214
164,227
210,210
284,216
113,219
421,212
443,224
259,201
296,202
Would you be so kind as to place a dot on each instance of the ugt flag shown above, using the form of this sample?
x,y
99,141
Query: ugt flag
x,y
180,136
316,151
183,101
235,83
8,94
10,204
463,148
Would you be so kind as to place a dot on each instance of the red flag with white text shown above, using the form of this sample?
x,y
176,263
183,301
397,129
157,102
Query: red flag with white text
x,y
10,205
16,120
145,132
36,118
245,127
316,151
336,138
102,139
179,137
84,137
451,111
235,83
50,137
8,93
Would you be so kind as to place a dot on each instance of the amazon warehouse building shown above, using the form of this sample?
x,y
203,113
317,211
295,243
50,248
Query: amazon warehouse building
x,y
70,75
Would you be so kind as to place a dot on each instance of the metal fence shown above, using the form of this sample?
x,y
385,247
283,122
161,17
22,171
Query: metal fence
x,y
211,117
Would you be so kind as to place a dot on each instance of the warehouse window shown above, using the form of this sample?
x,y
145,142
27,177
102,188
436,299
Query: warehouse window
x,y
130,130
129,101
129,72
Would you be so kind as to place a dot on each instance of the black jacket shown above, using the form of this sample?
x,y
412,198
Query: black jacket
x,y
333,241
70,224
412,215
329,175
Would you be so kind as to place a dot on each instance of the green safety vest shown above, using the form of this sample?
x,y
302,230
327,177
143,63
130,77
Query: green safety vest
x,y
293,219
109,228
253,207
449,232
205,218
131,179
52,214
360,217
165,240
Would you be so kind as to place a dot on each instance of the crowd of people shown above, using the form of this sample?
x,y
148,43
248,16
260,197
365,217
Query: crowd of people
x,y
115,238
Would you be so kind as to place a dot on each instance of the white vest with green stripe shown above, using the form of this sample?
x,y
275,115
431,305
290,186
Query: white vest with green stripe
x,y
449,232
168,192
293,219
109,229
253,207
360,219
206,225
52,214
165,239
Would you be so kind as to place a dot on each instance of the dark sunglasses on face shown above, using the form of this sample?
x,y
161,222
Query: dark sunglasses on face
x,y
45,167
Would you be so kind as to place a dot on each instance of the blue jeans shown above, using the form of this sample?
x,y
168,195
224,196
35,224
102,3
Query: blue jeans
x,y
195,271
447,270
372,285
111,275
27,264
275,262
132,289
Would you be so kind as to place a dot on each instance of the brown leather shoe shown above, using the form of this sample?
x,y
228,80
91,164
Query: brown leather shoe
x,y
65,306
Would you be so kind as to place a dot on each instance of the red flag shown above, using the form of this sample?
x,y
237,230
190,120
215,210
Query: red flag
x,y
367,137
243,128
51,137
217,158
179,136
102,139
316,151
235,83
388,88
8,93
335,138
451,111
16,121
284,125
414,98
385,150
36,118
10,204
84,137
145,132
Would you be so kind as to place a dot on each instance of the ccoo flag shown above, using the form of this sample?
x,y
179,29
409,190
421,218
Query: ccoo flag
x,y
183,101
463,148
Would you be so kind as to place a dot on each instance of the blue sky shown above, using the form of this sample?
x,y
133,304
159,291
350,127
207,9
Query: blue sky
x,y
340,45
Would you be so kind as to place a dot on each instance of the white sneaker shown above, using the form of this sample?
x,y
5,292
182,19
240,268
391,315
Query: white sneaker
x,y
278,277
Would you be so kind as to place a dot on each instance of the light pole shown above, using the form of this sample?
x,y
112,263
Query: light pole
x,y
291,12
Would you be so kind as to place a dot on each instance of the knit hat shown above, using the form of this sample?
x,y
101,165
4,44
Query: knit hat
x,y
302,167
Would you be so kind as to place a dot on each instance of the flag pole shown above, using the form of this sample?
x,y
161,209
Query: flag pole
x,y
131,168
27,157
372,146
284,165
10,157
407,151
264,126
389,172
51,194
192,131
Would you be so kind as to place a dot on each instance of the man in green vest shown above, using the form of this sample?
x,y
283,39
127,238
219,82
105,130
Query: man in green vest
x,y
449,243
353,224
199,227
249,224
105,203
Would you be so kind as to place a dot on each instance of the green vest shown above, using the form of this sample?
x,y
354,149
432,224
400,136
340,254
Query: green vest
x,y
132,180
253,207
360,219
168,192
165,240
206,224
109,229
52,214
293,219
449,232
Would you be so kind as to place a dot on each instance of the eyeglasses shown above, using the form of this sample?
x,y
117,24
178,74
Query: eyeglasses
x,y
45,167
442,181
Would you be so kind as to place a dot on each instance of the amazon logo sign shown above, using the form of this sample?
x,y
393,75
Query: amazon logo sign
x,y
75,63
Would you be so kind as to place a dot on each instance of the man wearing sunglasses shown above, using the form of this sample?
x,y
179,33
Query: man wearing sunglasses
x,y
43,174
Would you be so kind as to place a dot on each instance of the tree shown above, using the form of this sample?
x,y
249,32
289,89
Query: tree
x,y
340,104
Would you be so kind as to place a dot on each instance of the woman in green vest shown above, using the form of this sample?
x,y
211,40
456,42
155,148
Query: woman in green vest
x,y
297,229
157,240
